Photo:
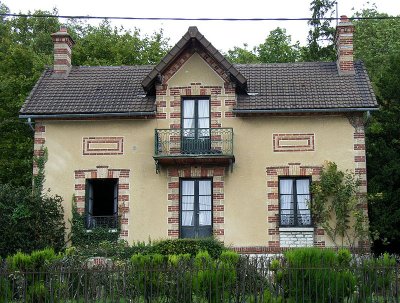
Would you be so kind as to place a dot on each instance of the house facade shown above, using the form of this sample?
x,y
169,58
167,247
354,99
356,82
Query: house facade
x,y
196,146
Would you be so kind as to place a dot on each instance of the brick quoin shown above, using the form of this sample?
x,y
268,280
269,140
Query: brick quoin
x,y
273,207
173,208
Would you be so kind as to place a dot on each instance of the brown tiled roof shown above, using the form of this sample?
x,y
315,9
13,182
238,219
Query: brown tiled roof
x,y
288,87
193,34
91,90
304,86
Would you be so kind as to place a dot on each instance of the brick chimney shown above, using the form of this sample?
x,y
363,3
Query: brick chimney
x,y
62,51
344,46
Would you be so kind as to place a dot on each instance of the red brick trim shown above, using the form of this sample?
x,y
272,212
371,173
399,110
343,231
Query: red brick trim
x,y
123,176
273,173
39,142
102,146
293,142
173,175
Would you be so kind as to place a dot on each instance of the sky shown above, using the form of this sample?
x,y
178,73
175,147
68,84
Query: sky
x,y
223,35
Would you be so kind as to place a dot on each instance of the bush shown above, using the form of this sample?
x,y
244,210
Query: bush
x,y
215,279
377,276
189,246
148,275
30,219
317,275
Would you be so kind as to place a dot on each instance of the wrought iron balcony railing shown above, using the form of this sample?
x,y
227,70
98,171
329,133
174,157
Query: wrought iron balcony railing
x,y
110,222
188,142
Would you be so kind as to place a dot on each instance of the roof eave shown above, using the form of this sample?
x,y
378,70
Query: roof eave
x,y
304,110
86,115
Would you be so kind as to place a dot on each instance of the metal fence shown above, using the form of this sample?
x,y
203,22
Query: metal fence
x,y
248,280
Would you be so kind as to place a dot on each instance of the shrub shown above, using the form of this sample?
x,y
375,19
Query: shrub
x,y
317,275
189,246
377,276
147,275
30,219
215,279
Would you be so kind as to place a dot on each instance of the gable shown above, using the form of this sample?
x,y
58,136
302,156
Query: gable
x,y
195,70
193,41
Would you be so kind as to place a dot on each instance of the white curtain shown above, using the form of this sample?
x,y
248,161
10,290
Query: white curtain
x,y
204,117
303,198
187,203
205,202
286,201
188,117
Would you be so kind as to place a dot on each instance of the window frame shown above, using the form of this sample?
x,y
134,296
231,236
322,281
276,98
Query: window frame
x,y
89,199
196,106
196,207
295,202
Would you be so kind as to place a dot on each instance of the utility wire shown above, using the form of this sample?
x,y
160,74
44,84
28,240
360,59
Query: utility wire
x,y
190,19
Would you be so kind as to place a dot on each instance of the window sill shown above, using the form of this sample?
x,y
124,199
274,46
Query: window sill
x,y
111,230
296,229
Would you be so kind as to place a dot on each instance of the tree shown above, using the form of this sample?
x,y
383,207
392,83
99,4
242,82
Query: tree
x,y
30,219
377,44
23,54
242,55
320,45
26,48
278,48
106,45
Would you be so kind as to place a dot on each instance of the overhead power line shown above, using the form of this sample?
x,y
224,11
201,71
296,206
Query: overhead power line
x,y
189,19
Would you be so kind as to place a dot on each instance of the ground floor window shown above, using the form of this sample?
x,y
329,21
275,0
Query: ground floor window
x,y
294,199
195,208
101,203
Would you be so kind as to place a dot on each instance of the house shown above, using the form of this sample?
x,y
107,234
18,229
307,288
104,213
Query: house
x,y
196,146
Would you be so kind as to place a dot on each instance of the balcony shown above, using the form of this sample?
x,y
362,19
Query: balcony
x,y
194,146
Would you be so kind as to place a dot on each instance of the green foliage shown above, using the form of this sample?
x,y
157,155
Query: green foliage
x,y
320,45
107,45
215,279
278,48
335,206
189,246
29,220
376,43
242,55
317,275
34,262
377,276
26,48
91,239
148,274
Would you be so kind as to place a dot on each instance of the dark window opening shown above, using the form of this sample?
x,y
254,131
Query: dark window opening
x,y
101,203
294,200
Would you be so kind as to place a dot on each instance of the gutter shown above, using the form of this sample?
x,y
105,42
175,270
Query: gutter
x,y
123,114
309,110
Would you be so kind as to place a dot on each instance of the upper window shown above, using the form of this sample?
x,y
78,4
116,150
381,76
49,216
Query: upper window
x,y
294,199
101,203
196,125
196,208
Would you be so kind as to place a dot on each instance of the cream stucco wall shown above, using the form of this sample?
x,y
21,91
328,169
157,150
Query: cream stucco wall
x,y
245,188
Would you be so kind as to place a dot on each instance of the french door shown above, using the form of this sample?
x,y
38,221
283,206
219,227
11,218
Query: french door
x,y
196,126
195,208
